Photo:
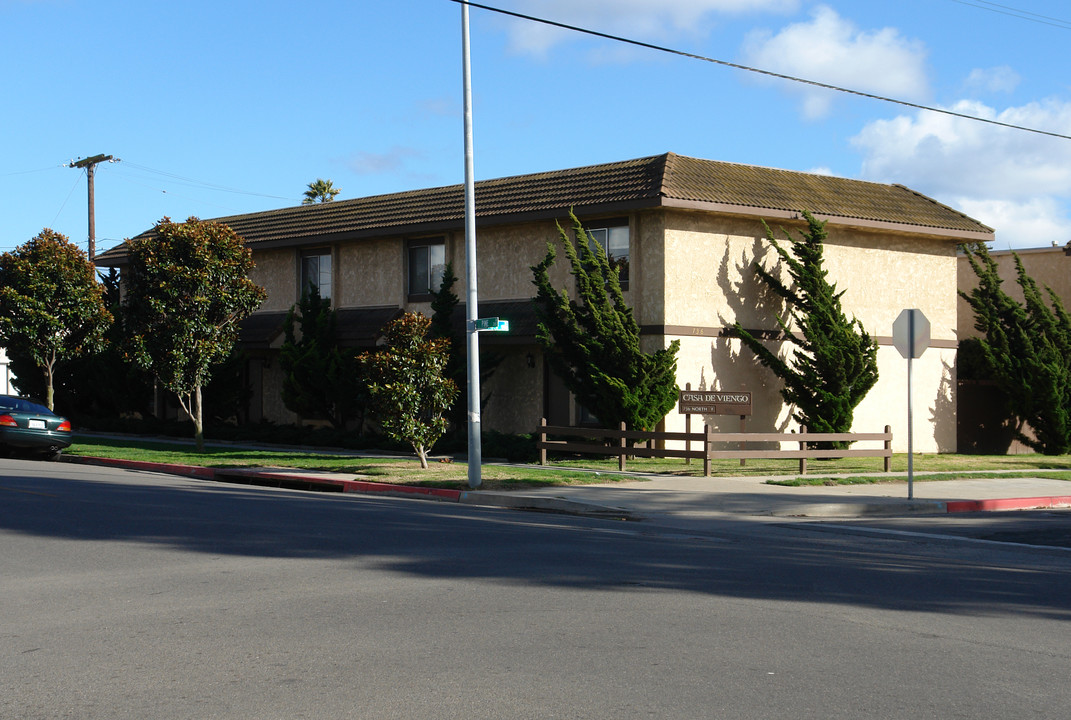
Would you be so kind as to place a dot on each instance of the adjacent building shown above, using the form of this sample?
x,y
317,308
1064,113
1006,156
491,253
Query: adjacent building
x,y
983,425
685,233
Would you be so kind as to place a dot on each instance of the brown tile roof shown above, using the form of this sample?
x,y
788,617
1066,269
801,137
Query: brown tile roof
x,y
663,180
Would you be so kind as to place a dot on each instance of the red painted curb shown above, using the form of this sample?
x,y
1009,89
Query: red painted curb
x,y
204,473
186,470
350,485
1062,501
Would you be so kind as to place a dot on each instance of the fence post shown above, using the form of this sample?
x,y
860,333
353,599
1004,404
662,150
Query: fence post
x,y
803,447
743,428
621,448
687,429
542,441
708,443
888,448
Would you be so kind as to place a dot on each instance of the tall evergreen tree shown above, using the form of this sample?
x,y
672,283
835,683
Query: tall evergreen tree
x,y
1026,350
594,344
319,377
835,363
444,303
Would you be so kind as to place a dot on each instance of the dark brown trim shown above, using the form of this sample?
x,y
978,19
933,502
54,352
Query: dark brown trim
x,y
728,332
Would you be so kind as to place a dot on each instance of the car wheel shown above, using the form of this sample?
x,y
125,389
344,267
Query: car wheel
x,y
51,455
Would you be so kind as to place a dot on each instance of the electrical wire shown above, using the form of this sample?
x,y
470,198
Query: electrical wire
x,y
768,73
60,211
1016,12
199,183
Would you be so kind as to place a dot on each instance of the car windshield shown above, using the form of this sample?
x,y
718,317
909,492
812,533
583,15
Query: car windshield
x,y
7,402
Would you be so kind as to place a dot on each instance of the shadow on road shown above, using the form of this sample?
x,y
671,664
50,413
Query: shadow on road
x,y
448,541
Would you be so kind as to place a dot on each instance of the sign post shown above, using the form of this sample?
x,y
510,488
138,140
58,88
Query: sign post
x,y
911,336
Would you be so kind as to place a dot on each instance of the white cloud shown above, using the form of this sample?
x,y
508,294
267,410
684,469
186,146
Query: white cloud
x,y
1017,182
394,160
637,19
832,50
997,79
1021,224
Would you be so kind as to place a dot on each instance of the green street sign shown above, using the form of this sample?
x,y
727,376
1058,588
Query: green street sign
x,y
492,324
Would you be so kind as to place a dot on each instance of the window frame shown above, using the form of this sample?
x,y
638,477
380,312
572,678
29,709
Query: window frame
x,y
318,253
424,294
608,224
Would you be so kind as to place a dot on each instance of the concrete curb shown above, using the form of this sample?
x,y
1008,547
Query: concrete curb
x,y
545,504
296,479
866,509
1034,503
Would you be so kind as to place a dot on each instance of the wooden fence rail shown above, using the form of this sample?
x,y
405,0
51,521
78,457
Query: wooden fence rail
x,y
615,442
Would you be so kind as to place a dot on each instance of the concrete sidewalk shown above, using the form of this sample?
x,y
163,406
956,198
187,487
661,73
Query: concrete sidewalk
x,y
700,497
681,498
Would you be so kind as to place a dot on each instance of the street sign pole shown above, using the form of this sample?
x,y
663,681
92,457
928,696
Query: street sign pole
x,y
471,310
910,429
911,336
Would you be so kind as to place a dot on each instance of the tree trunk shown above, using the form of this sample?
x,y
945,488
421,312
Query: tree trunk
x,y
50,368
198,424
423,455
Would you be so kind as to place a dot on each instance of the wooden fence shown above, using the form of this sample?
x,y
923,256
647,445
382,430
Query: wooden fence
x,y
601,441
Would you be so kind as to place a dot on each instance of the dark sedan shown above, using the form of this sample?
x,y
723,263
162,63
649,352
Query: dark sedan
x,y
28,426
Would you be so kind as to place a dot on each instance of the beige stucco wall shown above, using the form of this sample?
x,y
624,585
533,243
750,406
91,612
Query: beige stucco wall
x,y
276,272
712,286
370,273
513,397
1049,266
505,255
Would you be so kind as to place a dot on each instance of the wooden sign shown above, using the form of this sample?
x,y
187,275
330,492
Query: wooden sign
x,y
714,402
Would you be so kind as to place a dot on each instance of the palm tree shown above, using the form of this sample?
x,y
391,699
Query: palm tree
x,y
320,191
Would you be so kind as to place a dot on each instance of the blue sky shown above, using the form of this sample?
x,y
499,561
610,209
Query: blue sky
x,y
218,108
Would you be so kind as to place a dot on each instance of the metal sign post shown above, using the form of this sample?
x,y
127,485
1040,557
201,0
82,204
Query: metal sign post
x,y
911,336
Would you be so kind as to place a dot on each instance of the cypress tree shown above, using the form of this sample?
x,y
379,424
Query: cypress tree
x,y
594,344
320,378
835,363
1026,351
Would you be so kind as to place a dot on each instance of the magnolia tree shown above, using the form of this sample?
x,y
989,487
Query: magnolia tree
x,y
51,306
408,391
186,292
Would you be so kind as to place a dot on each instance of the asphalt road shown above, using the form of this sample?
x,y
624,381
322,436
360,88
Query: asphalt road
x,y
133,595
1040,529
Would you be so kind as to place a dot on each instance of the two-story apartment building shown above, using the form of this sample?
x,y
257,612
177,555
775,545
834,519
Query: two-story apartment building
x,y
685,232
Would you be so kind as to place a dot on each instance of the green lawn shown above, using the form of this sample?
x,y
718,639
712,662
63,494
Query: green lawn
x,y
407,470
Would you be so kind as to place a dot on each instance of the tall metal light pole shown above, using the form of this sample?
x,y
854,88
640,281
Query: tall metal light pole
x,y
90,164
471,310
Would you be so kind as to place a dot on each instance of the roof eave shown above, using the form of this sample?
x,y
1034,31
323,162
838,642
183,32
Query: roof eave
x,y
952,234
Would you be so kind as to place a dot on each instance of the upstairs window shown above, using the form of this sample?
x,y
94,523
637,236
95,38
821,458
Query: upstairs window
x,y
427,262
611,236
316,272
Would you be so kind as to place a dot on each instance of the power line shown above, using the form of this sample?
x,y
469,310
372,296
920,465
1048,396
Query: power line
x,y
1016,12
768,73
199,183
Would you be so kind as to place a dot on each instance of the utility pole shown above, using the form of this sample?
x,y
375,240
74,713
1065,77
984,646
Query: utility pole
x,y
472,297
90,164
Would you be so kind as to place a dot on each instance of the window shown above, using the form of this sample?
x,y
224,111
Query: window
x,y
316,272
427,262
612,237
